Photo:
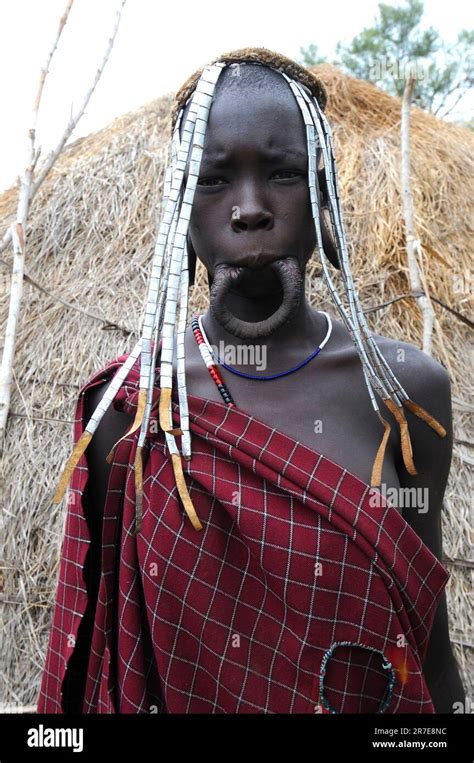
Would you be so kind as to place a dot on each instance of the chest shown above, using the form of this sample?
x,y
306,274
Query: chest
x,y
324,405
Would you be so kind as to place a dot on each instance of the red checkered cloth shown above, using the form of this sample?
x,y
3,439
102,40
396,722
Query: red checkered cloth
x,y
298,596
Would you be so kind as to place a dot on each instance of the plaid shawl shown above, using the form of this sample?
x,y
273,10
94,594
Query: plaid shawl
x,y
298,596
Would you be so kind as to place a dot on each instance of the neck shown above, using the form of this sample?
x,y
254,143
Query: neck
x,y
290,343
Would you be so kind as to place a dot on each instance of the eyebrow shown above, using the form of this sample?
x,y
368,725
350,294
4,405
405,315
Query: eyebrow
x,y
221,158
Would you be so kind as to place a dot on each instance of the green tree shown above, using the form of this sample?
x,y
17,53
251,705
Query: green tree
x,y
311,56
395,45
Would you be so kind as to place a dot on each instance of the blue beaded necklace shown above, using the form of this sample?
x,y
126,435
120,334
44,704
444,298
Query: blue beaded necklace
x,y
272,376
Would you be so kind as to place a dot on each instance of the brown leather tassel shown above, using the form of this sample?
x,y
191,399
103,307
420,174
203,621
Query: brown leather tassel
x,y
71,464
425,416
407,451
142,395
376,477
165,418
138,464
183,491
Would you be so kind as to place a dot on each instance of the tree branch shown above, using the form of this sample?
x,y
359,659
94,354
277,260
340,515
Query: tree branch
x,y
28,188
108,325
53,155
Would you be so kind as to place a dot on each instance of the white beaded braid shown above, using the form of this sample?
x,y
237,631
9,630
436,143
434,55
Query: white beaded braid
x,y
165,317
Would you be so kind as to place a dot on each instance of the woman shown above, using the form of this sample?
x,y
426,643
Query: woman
x,y
258,574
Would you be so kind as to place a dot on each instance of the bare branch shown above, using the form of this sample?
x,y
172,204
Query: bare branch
x,y
28,188
416,295
12,321
18,234
448,111
53,155
459,315
107,325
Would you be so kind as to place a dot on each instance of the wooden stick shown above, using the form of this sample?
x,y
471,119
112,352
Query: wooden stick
x,y
18,232
28,189
16,292
411,239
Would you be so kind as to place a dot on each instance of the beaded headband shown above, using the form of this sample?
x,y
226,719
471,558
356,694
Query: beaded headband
x,y
167,299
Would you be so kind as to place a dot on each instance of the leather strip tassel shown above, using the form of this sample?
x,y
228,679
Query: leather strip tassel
x,y
94,421
388,386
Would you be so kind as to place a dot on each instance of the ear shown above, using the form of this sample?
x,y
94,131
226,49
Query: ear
x,y
329,243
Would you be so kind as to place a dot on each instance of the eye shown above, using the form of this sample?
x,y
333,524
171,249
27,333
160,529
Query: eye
x,y
288,174
210,182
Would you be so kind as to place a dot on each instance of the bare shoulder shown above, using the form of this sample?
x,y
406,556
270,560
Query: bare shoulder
x,y
413,367
426,382
113,425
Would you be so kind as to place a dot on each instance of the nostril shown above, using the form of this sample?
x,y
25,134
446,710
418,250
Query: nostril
x,y
239,225
262,224
252,221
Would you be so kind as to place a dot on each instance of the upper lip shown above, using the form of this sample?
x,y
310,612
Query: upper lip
x,y
257,260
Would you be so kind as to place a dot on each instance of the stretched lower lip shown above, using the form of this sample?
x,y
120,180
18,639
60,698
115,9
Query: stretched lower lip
x,y
258,261
227,277
257,281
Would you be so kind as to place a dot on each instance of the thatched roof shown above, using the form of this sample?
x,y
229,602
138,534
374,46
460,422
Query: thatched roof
x,y
90,238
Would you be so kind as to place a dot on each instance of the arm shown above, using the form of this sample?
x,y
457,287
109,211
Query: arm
x,y
429,385
111,428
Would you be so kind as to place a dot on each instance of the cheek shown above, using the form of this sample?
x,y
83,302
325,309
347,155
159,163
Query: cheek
x,y
305,204
302,220
195,222
202,233
297,204
306,218
298,213
208,220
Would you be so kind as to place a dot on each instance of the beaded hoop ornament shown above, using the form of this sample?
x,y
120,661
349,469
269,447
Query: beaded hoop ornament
x,y
391,674
167,299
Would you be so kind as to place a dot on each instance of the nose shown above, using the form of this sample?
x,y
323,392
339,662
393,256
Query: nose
x,y
251,216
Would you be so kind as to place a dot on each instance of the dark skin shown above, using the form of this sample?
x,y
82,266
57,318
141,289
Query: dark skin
x,y
274,219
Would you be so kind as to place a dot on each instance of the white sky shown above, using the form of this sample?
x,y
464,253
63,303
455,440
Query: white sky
x,y
159,44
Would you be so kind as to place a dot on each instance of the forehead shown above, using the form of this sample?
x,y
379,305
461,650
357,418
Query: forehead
x,y
249,119
249,114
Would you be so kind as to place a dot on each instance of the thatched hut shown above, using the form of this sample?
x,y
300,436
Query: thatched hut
x,y
90,238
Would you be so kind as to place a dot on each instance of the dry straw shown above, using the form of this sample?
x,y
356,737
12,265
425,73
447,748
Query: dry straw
x,y
92,227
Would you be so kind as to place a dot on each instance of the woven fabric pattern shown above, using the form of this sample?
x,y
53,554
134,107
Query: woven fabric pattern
x,y
292,564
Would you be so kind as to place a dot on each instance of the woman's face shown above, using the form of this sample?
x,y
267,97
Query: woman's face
x,y
252,204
